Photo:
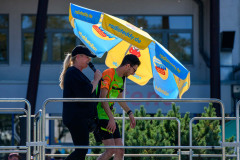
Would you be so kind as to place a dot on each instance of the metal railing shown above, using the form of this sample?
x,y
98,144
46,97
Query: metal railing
x,y
19,149
130,155
237,128
40,145
190,136
43,123
37,135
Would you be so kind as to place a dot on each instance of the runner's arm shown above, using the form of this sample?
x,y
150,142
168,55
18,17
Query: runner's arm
x,y
127,109
123,104
111,124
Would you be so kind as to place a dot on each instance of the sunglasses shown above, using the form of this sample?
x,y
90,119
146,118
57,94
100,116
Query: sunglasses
x,y
134,69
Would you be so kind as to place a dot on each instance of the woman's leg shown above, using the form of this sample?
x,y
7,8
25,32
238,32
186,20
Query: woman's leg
x,y
80,136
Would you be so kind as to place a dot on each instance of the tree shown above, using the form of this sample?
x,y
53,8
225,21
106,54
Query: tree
x,y
165,133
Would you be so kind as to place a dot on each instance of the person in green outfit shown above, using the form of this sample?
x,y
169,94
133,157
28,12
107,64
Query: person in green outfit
x,y
112,87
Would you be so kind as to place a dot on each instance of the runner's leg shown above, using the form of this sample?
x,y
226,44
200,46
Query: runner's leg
x,y
119,151
109,151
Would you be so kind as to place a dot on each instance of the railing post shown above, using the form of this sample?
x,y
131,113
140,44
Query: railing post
x,y
237,128
43,129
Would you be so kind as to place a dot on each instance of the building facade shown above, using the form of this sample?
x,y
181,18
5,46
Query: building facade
x,y
182,26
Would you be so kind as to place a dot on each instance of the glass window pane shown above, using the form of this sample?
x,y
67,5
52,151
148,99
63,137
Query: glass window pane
x,y
62,43
142,22
130,19
28,22
28,43
180,22
149,22
3,22
58,22
54,22
3,47
180,46
157,37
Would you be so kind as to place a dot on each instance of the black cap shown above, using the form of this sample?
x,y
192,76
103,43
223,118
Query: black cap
x,y
80,49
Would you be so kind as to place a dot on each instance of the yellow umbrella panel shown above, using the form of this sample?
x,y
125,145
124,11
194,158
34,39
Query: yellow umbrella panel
x,y
144,71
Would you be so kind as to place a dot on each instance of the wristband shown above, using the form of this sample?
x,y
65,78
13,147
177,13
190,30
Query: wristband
x,y
129,112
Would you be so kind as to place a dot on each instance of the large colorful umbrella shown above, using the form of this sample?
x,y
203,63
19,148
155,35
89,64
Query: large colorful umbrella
x,y
106,34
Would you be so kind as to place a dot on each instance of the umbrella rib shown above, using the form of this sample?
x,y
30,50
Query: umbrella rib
x,y
128,49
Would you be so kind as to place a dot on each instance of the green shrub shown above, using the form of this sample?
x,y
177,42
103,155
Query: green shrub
x,y
165,133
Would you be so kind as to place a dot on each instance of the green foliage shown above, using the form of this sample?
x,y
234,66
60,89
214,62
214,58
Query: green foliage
x,y
206,132
146,133
6,131
165,133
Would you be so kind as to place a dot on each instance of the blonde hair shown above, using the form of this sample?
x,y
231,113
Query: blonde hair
x,y
68,62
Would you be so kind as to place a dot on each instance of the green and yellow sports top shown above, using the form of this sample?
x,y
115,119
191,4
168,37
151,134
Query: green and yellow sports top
x,y
114,84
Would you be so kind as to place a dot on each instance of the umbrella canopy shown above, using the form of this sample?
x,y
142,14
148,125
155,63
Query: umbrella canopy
x,y
105,34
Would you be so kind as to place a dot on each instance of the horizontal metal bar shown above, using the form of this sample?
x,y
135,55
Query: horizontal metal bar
x,y
134,147
13,110
13,151
212,155
194,100
12,100
13,147
36,143
213,118
147,155
184,152
230,144
125,155
120,118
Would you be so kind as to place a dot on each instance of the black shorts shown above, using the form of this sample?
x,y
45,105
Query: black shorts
x,y
104,134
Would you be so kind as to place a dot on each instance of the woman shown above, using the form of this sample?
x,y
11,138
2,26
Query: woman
x,y
76,115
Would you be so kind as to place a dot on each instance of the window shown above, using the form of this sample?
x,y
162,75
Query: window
x,y
173,32
4,23
180,46
59,38
180,38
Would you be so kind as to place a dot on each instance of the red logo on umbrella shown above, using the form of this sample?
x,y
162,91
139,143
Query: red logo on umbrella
x,y
135,51
160,69
100,33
